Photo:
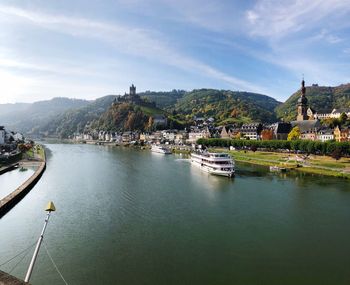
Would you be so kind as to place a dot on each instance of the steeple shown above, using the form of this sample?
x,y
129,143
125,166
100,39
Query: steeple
x,y
302,104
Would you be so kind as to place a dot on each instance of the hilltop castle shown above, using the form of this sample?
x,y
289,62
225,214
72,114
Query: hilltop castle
x,y
132,97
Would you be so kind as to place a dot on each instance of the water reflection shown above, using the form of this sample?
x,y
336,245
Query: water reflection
x,y
11,180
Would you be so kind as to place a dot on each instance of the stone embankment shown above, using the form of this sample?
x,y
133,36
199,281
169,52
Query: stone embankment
x,y
8,168
7,203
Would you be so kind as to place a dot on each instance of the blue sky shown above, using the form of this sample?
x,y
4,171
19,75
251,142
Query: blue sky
x,y
88,49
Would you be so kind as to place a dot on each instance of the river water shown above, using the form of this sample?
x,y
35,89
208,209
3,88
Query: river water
x,y
134,217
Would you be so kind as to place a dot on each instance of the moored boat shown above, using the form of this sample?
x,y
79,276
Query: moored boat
x,y
160,149
214,163
277,169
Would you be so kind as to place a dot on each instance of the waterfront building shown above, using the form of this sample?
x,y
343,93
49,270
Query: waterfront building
x,y
251,131
181,137
324,135
197,133
310,135
341,135
224,133
280,130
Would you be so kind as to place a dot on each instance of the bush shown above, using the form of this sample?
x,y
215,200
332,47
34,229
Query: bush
x,y
311,147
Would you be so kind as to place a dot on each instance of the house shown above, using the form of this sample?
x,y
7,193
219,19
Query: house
x,y
281,130
337,112
307,125
197,133
127,137
181,137
324,135
251,131
224,133
341,135
310,135
311,113
169,135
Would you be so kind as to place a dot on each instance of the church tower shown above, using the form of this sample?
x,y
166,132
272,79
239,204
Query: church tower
x,y
302,104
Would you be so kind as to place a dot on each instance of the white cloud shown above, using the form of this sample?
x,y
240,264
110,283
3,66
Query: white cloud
x,y
135,41
282,18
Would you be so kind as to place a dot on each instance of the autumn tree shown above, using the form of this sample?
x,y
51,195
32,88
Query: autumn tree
x,y
294,134
266,135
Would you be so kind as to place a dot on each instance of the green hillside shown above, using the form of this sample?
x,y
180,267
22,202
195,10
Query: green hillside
x,y
225,106
320,98
163,99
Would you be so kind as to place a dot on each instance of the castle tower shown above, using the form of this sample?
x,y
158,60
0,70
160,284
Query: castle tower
x,y
302,104
132,90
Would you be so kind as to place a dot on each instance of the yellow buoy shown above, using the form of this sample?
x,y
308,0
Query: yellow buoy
x,y
50,207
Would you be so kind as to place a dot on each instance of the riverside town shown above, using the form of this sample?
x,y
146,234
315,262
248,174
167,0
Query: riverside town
x,y
175,142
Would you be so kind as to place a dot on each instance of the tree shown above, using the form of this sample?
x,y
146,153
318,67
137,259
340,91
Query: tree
x,y
343,117
294,134
150,124
266,135
337,153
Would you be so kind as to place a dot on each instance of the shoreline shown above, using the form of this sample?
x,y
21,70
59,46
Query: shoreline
x,y
11,200
291,166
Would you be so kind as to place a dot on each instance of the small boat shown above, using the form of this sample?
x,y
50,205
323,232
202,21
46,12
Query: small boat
x,y
276,168
160,149
214,163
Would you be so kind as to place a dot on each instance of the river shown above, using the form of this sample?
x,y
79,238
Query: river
x,y
134,217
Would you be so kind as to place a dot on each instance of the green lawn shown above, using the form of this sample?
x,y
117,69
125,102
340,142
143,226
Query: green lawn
x,y
324,165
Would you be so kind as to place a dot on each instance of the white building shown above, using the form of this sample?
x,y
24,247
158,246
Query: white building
x,y
325,135
18,137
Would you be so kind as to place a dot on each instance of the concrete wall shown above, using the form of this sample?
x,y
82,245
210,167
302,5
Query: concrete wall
x,y
12,199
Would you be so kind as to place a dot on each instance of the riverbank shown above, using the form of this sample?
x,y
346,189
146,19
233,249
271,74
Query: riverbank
x,y
314,164
39,159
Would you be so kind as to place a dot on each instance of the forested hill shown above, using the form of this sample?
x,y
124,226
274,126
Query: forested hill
x,y
320,98
24,116
179,106
226,106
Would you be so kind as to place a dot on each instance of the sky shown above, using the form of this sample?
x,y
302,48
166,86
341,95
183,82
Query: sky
x,y
88,49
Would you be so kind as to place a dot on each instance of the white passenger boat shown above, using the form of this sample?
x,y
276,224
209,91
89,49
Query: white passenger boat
x,y
214,163
160,149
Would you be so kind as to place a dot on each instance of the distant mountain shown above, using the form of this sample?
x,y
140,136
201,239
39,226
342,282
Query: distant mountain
x,y
75,120
320,98
225,106
24,117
